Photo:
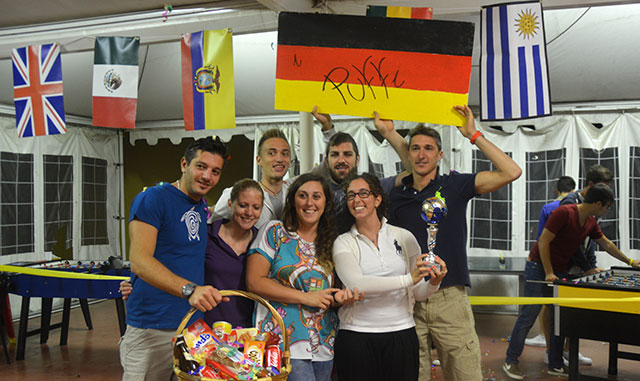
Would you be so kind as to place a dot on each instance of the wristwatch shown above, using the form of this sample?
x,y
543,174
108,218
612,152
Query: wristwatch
x,y
188,289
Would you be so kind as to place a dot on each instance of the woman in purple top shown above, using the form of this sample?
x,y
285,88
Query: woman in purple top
x,y
225,262
226,253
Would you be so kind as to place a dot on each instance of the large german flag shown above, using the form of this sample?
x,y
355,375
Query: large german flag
x,y
405,69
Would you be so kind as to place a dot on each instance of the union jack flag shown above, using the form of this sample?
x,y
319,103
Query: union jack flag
x,y
37,90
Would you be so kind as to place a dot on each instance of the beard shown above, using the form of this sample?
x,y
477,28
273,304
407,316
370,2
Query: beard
x,y
335,175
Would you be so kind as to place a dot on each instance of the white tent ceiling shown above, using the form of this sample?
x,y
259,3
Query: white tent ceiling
x,y
594,53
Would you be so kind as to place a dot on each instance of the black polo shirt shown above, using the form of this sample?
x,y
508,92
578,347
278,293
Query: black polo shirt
x,y
457,189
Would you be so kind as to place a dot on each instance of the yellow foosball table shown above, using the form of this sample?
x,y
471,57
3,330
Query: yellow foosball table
x,y
612,321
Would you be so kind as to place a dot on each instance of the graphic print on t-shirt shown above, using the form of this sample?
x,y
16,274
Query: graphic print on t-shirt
x,y
192,219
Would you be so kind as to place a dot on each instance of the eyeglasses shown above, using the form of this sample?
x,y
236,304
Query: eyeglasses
x,y
363,193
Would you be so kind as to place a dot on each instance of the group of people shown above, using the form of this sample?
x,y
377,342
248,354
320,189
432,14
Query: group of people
x,y
340,256
567,232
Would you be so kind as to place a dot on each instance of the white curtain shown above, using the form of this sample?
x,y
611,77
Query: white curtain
x,y
78,142
572,133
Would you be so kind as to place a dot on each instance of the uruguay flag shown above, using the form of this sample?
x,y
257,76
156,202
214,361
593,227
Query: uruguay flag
x,y
514,78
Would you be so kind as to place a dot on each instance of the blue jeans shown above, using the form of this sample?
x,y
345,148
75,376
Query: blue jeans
x,y
529,313
307,370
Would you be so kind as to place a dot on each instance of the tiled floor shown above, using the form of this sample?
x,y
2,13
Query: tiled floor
x,y
93,355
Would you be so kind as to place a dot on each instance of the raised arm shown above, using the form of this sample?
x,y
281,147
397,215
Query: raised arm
x,y
387,129
146,266
506,169
613,250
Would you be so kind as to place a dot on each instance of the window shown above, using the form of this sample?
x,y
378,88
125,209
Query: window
x,y
295,164
634,197
16,202
543,170
490,213
376,169
399,167
94,201
58,202
608,158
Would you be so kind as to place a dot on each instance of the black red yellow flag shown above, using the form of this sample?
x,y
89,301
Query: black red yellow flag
x,y
406,69
425,13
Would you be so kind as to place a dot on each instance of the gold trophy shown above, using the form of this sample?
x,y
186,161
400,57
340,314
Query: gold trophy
x,y
434,209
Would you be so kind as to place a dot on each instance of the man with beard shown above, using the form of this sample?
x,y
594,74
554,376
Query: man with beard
x,y
274,158
342,159
167,226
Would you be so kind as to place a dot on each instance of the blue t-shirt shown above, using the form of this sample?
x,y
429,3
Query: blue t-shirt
x,y
294,264
180,247
405,205
545,213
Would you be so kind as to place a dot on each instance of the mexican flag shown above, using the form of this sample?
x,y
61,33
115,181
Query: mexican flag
x,y
115,81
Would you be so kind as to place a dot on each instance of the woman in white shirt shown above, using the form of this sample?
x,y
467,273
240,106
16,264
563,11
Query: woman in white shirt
x,y
377,338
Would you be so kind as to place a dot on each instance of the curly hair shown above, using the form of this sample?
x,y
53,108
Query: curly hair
x,y
326,233
374,186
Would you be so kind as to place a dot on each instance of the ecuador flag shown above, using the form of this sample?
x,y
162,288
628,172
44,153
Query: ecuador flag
x,y
208,96
405,69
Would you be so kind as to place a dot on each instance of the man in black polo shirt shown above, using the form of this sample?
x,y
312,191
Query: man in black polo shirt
x,y
447,315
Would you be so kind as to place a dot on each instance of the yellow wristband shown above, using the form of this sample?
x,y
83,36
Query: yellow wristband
x,y
630,261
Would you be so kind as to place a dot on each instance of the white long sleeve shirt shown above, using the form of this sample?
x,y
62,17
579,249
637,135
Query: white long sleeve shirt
x,y
383,273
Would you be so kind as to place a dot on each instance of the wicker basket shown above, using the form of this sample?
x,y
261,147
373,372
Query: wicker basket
x,y
286,355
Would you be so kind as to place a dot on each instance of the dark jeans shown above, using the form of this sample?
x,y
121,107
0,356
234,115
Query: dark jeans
x,y
529,313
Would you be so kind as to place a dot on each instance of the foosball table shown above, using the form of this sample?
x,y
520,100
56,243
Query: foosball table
x,y
49,287
611,321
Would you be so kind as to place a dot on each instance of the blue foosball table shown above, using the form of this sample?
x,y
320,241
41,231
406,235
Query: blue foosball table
x,y
29,286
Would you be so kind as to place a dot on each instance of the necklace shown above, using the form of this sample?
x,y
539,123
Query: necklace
x,y
178,183
275,194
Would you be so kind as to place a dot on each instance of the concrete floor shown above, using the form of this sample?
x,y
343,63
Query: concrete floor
x,y
93,355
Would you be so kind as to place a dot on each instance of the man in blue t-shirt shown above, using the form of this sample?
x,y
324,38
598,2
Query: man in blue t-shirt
x,y
167,227
447,315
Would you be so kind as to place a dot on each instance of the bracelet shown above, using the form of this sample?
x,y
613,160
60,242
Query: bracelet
x,y
630,261
475,137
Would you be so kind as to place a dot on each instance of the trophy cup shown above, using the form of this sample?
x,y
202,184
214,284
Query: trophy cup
x,y
434,209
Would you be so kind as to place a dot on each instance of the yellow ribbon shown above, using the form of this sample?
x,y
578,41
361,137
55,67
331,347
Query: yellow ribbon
x,y
511,300
58,274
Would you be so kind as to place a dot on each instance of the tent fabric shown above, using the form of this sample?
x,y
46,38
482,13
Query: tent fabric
x,y
577,135
78,142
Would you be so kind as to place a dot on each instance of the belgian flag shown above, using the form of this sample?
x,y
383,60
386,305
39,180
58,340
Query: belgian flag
x,y
406,69
425,13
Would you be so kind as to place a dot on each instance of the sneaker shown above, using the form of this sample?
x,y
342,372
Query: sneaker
x,y
562,372
436,362
512,371
538,341
565,358
582,360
